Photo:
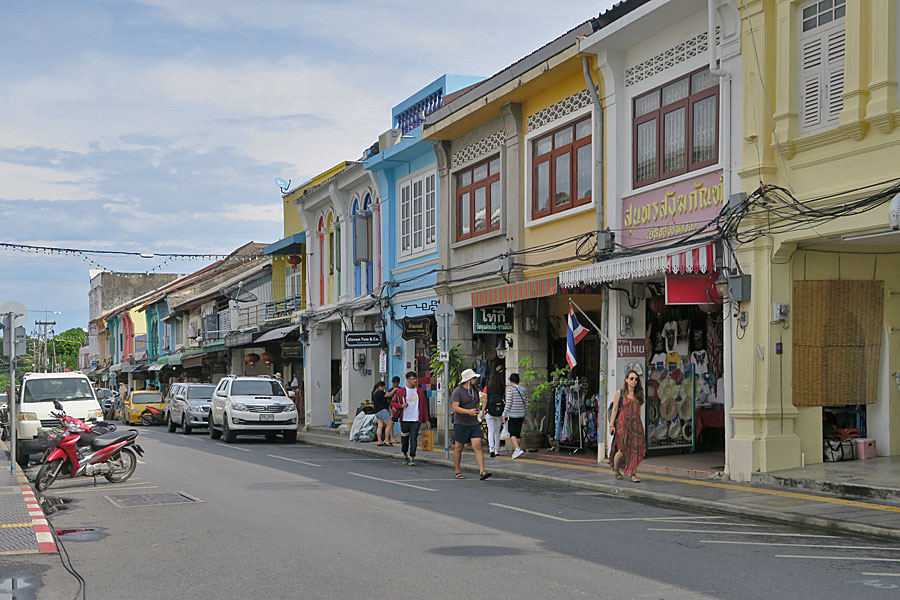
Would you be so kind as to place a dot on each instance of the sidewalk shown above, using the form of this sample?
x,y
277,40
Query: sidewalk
x,y
23,526
817,509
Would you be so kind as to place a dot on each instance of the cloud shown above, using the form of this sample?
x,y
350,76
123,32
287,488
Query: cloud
x,y
271,213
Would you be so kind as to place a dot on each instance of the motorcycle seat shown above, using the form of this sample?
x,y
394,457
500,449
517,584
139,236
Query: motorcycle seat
x,y
112,438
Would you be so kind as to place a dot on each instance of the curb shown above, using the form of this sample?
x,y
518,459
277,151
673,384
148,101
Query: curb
x,y
833,525
42,531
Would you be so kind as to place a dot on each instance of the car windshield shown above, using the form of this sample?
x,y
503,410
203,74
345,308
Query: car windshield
x,y
62,389
200,392
260,387
146,398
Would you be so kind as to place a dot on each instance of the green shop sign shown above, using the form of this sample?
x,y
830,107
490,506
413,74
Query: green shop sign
x,y
493,319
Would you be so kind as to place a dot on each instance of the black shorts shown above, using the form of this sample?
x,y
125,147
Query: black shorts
x,y
514,425
464,433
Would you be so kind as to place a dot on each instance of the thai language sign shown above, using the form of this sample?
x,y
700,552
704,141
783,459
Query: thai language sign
x,y
493,319
671,212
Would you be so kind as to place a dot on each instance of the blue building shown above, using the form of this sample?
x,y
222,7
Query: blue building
x,y
406,219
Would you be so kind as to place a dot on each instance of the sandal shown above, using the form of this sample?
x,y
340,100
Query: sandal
x,y
618,474
460,476
484,475
634,479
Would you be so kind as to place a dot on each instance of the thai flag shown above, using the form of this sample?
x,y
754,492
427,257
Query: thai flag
x,y
574,334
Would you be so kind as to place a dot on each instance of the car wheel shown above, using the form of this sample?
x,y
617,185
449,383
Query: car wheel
x,y
213,432
170,423
290,436
184,427
229,436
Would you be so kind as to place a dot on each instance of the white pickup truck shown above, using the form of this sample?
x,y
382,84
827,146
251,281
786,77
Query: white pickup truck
x,y
35,402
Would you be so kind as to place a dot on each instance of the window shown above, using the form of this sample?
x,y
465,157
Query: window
x,y
821,55
418,213
676,128
561,169
478,199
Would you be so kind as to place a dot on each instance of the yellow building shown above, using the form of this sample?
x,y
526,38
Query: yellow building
x,y
820,337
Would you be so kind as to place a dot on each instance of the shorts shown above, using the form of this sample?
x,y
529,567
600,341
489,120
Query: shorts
x,y
383,414
514,425
464,433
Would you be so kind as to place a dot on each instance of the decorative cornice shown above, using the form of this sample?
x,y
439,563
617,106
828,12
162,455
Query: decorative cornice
x,y
478,149
557,111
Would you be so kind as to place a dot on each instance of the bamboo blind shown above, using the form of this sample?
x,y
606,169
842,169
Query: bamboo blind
x,y
837,341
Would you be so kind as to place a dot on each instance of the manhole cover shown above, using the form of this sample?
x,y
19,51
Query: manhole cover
x,y
132,500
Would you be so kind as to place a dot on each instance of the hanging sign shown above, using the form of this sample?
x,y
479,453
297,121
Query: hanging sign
x,y
493,319
362,339
692,289
418,328
382,361
291,350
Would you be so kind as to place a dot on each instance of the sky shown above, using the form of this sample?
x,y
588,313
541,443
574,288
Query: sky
x,y
160,125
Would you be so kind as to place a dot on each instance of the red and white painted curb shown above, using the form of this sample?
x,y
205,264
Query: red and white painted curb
x,y
45,540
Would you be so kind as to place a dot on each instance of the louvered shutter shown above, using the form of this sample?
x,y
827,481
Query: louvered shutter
x,y
834,70
821,73
811,88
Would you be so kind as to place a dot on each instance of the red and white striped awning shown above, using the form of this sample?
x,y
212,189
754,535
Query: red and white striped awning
x,y
697,258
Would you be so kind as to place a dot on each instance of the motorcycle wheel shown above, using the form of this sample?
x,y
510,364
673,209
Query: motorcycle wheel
x,y
47,475
129,460
4,434
146,420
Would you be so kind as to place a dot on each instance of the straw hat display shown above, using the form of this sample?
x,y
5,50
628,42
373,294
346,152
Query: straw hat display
x,y
667,390
675,430
669,409
659,432
686,408
687,431
677,375
652,412
655,375
687,388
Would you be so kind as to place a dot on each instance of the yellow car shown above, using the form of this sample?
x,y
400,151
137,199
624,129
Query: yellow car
x,y
144,406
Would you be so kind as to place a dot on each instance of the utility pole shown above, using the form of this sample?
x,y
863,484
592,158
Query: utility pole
x,y
45,357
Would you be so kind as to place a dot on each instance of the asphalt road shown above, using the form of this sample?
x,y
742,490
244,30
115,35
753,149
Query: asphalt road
x,y
274,520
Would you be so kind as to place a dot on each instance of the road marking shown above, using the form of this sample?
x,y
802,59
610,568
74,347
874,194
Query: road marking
x,y
882,574
418,487
232,447
15,525
835,547
770,533
302,462
863,558
607,520
140,462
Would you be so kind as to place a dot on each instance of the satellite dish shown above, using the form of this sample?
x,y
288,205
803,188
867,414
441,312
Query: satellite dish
x,y
281,183
238,294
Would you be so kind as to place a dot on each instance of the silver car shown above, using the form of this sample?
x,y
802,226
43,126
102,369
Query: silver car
x,y
188,406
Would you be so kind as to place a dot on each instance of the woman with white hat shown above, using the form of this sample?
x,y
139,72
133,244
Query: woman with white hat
x,y
628,445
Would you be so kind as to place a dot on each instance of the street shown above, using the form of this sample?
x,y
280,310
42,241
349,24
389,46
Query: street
x,y
265,519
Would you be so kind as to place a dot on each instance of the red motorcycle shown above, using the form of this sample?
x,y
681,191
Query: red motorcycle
x,y
111,455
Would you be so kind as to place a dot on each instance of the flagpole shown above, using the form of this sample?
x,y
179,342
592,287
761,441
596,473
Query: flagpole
x,y
594,325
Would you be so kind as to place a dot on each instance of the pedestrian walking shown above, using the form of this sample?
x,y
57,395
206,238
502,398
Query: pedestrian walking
x,y
628,444
411,399
381,405
492,407
389,394
466,428
514,413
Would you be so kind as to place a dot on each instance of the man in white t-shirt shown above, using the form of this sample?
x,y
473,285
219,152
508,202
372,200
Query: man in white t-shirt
x,y
414,403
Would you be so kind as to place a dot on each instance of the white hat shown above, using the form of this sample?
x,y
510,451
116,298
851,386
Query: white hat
x,y
467,375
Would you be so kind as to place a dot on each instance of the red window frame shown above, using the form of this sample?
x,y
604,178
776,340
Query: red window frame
x,y
659,115
572,149
470,189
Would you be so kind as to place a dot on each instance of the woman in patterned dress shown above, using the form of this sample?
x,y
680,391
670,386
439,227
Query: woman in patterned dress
x,y
629,444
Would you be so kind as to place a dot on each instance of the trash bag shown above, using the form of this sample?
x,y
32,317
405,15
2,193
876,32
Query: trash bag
x,y
363,429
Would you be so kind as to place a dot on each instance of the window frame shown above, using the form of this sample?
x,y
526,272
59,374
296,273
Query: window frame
x,y
659,114
470,189
550,157
823,75
408,183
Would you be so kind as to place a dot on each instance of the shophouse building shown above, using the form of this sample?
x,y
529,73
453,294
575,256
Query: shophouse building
x,y
818,341
672,98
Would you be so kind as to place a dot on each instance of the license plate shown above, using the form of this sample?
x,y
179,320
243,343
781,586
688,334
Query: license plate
x,y
266,417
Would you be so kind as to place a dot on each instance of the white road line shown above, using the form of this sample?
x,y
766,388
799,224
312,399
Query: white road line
x,y
607,520
769,533
418,487
302,462
232,447
834,547
862,558
882,574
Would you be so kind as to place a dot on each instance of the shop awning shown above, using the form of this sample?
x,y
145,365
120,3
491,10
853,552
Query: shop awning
x,y
276,334
157,367
115,368
523,290
696,258
193,360
290,244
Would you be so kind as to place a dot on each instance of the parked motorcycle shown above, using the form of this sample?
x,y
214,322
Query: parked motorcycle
x,y
152,416
111,454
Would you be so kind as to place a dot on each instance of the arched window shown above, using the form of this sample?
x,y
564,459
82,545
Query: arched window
x,y
321,233
330,234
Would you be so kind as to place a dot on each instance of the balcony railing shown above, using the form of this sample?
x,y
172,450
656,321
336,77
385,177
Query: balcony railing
x,y
285,307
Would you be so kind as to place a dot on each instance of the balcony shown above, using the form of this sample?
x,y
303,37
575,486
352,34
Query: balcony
x,y
281,309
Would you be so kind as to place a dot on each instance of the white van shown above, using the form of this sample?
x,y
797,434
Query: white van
x,y
35,403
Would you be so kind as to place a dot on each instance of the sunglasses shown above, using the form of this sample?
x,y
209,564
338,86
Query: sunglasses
x,y
632,378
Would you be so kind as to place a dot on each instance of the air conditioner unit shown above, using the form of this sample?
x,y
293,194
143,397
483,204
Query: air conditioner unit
x,y
193,331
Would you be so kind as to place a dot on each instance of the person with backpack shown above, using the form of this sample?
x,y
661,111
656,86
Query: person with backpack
x,y
492,407
514,413
411,406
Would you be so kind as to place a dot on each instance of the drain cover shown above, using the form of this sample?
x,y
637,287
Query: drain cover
x,y
132,500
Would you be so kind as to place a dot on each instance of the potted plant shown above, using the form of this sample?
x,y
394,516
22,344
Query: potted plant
x,y
540,388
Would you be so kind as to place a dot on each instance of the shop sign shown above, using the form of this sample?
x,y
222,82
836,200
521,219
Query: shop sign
x,y
291,350
631,348
672,212
238,339
362,339
692,289
418,328
493,319
140,346
382,361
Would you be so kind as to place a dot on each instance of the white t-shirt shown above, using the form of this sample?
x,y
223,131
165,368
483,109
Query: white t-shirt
x,y
411,412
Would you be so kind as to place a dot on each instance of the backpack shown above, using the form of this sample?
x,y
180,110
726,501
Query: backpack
x,y
495,405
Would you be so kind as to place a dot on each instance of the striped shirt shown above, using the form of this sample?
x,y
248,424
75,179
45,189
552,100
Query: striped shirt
x,y
516,402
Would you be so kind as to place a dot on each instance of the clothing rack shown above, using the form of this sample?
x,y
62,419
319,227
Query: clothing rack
x,y
581,385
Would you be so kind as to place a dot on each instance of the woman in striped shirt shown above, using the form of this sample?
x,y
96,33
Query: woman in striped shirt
x,y
514,412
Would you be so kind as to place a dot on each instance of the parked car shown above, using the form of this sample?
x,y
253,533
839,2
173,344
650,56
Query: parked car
x,y
252,405
35,403
189,406
170,395
143,406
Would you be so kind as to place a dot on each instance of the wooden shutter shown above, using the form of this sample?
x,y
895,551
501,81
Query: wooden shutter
x,y
811,88
821,74
834,70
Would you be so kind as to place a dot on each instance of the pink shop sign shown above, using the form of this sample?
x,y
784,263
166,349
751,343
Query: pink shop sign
x,y
671,212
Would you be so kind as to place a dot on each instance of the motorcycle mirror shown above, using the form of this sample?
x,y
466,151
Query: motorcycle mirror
x,y
57,405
